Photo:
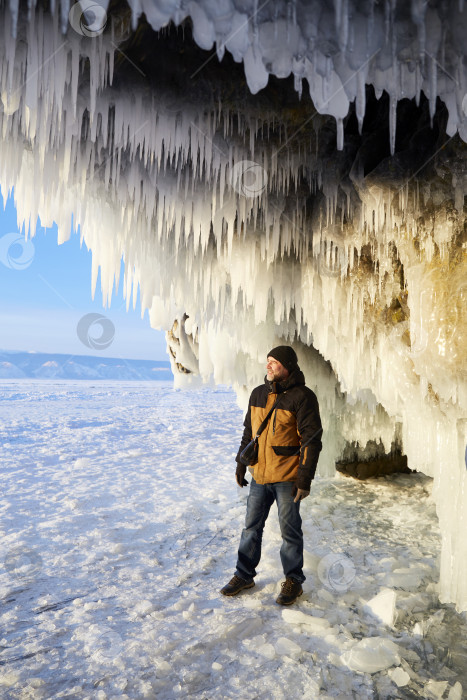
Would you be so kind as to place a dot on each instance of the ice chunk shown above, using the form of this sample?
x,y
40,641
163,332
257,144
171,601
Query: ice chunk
x,y
434,690
245,628
266,650
383,606
399,676
455,693
286,647
405,578
326,595
372,654
144,607
252,603
315,625
163,668
9,679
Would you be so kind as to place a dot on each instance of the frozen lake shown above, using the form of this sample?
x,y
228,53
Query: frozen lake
x,y
119,522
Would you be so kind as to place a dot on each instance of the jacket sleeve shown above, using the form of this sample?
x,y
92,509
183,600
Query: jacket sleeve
x,y
310,430
247,435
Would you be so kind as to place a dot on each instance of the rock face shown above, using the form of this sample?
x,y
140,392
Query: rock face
x,y
331,217
379,466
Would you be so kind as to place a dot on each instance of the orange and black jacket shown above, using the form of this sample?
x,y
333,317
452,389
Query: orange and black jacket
x,y
290,444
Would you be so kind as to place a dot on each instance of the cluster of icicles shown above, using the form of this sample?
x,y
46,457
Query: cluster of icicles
x,y
198,204
336,48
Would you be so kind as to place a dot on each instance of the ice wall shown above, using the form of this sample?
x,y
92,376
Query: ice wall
x,y
210,209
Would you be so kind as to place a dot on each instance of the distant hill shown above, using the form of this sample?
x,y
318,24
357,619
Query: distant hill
x,y
18,365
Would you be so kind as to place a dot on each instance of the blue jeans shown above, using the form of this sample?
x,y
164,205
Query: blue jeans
x,y
260,500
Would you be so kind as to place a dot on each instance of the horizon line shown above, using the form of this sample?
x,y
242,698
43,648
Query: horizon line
x,y
74,355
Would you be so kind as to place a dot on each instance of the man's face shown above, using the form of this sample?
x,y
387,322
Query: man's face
x,y
275,371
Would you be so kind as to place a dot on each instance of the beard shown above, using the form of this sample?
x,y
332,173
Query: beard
x,y
277,376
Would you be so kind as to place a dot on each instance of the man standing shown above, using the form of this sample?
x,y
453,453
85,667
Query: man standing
x,y
288,452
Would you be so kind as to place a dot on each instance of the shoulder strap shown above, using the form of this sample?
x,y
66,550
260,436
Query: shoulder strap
x,y
266,420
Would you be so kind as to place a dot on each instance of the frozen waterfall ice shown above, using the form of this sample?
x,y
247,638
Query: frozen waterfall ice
x,y
253,225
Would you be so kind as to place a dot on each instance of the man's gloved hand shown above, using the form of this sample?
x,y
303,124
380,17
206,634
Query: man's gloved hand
x,y
240,475
299,494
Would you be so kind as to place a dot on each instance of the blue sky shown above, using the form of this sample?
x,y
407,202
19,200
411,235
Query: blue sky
x,y
45,290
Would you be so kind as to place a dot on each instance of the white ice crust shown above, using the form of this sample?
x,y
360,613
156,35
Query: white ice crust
x,y
162,187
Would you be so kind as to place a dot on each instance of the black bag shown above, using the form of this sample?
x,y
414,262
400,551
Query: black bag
x,y
249,454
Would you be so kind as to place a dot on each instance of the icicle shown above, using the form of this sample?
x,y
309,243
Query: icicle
x,y
370,25
387,20
433,87
14,7
344,26
338,14
418,9
64,12
298,85
418,83
220,50
361,99
392,123
340,133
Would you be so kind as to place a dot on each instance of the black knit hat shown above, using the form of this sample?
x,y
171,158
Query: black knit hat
x,y
286,356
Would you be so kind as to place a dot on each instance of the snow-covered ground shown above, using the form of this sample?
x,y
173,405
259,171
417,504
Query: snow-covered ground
x,y
119,524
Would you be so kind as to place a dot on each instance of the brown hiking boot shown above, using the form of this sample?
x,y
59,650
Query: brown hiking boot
x,y
291,590
235,585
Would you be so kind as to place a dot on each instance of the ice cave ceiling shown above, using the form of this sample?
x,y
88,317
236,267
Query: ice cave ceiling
x,y
270,172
